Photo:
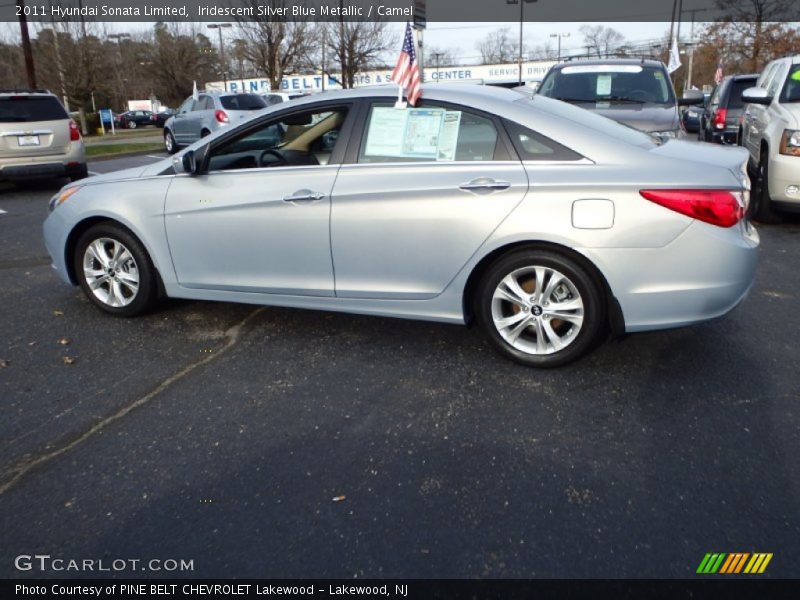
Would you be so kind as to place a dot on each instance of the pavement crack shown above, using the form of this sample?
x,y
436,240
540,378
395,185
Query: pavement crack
x,y
232,335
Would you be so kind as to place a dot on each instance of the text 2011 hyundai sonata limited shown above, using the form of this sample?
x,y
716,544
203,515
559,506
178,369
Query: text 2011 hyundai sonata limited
x,y
547,224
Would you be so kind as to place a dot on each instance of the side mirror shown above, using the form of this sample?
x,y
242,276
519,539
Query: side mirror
x,y
756,95
188,162
691,97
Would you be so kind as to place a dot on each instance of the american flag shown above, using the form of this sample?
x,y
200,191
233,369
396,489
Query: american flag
x,y
718,74
406,71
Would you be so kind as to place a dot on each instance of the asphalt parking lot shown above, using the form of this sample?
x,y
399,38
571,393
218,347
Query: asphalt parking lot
x,y
222,433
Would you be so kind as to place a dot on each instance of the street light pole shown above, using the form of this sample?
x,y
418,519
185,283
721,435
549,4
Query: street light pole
x,y
219,27
521,22
559,36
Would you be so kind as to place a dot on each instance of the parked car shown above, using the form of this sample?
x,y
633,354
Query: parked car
x,y
636,92
690,117
273,98
771,134
719,122
136,118
546,224
37,137
161,117
198,118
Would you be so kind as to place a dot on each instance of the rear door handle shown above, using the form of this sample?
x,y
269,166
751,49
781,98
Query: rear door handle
x,y
304,196
484,185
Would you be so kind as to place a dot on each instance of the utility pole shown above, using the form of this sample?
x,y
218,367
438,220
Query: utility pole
x,y
219,27
559,36
521,23
26,46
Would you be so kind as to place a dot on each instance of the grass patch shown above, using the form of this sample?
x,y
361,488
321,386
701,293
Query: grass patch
x,y
111,149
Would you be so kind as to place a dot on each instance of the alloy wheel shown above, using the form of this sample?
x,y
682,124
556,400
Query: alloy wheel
x,y
111,272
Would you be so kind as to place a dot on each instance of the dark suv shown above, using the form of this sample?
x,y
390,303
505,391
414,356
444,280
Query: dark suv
x,y
719,122
634,91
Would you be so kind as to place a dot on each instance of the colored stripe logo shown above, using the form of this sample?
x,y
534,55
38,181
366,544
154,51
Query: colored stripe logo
x,y
734,563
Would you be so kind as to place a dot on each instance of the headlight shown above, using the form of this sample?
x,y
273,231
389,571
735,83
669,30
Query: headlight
x,y
790,142
62,197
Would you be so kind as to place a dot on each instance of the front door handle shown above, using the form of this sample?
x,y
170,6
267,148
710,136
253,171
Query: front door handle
x,y
304,196
484,185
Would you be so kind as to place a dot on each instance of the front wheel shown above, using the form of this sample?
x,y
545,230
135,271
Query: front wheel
x,y
169,142
540,308
761,208
114,270
132,125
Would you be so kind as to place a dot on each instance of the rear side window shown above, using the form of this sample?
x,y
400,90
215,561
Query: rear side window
x,y
428,133
273,99
20,109
737,88
534,146
243,102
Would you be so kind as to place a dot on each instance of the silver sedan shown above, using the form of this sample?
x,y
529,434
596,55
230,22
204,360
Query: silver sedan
x,y
549,226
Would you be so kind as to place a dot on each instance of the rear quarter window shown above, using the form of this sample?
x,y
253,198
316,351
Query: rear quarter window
x,y
243,102
31,108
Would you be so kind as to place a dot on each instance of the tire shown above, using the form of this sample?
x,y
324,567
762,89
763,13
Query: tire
x,y
169,142
116,295
83,173
761,208
562,340
132,125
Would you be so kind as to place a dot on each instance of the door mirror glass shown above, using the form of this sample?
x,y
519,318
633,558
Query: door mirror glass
x,y
187,162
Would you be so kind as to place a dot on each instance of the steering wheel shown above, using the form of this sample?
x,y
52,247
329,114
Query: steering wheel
x,y
637,94
282,162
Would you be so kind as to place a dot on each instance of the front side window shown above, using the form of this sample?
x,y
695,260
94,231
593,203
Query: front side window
x,y
426,133
791,91
300,139
242,102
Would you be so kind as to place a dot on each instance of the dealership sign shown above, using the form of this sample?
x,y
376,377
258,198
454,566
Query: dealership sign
x,y
486,74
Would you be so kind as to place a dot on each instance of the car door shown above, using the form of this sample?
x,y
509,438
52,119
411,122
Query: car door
x,y
258,220
180,123
424,188
755,114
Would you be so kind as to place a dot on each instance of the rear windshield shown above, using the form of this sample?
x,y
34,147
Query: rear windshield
x,y
739,86
634,84
243,102
19,109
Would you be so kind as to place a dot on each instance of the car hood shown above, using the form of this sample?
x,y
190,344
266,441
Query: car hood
x,y
644,117
733,158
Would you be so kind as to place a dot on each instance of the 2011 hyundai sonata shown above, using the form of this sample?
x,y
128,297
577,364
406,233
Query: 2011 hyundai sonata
x,y
548,225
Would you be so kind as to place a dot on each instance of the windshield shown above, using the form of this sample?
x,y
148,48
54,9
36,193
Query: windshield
x,y
243,102
634,84
791,91
20,109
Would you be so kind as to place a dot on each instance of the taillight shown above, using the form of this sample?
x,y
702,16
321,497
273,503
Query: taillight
x,y
74,132
221,116
719,118
724,208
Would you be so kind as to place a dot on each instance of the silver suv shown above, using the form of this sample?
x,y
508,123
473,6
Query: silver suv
x,y
37,137
771,133
197,117
635,91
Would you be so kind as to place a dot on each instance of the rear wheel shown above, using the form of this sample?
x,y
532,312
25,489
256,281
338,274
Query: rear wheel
x,y
131,124
114,270
540,308
761,207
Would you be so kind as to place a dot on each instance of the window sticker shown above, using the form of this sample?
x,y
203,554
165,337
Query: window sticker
x,y
604,85
409,133
448,138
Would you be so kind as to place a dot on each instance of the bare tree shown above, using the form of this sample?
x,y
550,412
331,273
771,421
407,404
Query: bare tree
x,y
355,46
755,25
442,57
181,55
498,47
601,41
544,52
275,48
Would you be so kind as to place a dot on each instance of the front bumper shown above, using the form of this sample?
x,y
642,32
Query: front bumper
x,y
784,171
701,275
56,232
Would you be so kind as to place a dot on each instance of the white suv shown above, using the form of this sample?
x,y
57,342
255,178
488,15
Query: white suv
x,y
771,133
37,138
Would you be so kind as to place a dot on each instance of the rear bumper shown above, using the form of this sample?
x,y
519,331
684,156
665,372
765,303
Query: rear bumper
x,y
703,274
72,163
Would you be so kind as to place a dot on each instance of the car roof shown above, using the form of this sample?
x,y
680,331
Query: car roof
x,y
25,92
649,62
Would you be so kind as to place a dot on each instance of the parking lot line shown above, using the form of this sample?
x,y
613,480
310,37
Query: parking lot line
x,y
2,212
153,156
